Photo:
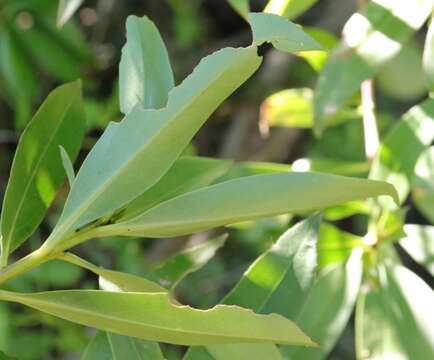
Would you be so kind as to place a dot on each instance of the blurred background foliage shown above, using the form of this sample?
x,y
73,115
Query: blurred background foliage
x,y
267,120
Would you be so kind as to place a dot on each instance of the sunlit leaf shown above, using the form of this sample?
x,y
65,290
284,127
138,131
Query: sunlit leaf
x,y
419,243
288,8
327,309
242,7
66,10
370,39
283,34
399,151
423,184
145,74
37,170
174,269
428,56
277,282
153,316
248,198
108,178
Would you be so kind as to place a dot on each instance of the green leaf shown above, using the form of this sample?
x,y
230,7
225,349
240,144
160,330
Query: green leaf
x,y
404,301
145,74
328,307
370,40
335,245
282,33
294,108
114,280
109,346
248,198
188,173
66,9
428,55
108,178
248,168
288,8
242,7
419,243
396,163
153,316
423,184
37,171
277,282
174,269
67,165
332,166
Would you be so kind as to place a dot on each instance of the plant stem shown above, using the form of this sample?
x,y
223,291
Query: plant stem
x,y
372,141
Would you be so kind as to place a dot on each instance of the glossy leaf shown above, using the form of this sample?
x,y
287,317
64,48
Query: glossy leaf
x,y
396,159
248,198
188,173
145,74
242,7
108,178
288,8
115,280
423,184
328,307
370,39
428,55
277,282
37,171
153,316
282,33
109,346
419,243
66,10
174,269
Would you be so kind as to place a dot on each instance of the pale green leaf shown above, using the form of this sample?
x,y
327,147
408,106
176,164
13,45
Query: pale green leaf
x,y
419,243
188,173
288,8
114,280
370,39
396,159
423,184
242,7
37,170
248,168
428,56
283,34
153,316
109,346
151,140
332,166
328,307
248,198
66,10
145,74
174,269
67,165
277,282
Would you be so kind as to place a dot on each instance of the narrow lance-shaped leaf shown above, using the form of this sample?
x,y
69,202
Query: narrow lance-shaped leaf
x,y
151,140
328,307
277,282
242,7
282,33
396,159
67,165
37,170
105,346
428,56
188,173
248,198
153,316
145,74
419,243
173,270
66,10
288,8
370,39
423,184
